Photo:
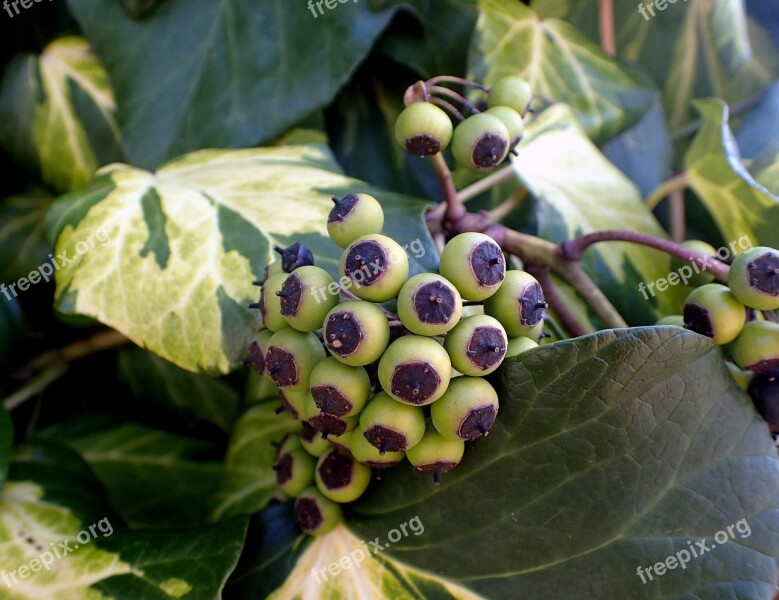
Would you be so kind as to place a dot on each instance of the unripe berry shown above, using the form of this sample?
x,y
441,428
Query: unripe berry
x,y
288,443
423,129
343,442
367,454
293,402
376,265
703,277
757,346
306,297
518,303
257,350
415,370
467,410
518,345
312,441
324,423
341,478
338,389
294,472
435,454
477,345
512,120
474,264
429,305
356,333
354,216
294,257
391,426
273,268
764,391
512,91
270,303
533,332
291,357
740,376
677,320
754,278
315,514
711,310
480,142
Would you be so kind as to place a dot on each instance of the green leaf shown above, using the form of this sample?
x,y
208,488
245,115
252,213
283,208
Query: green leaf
x,y
177,250
21,228
766,171
740,206
58,113
248,480
184,85
579,191
759,130
191,395
6,442
561,63
611,451
11,326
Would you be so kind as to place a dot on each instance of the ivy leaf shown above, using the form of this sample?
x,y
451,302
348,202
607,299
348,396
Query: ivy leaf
x,y
741,207
759,130
560,63
58,113
168,258
11,326
21,227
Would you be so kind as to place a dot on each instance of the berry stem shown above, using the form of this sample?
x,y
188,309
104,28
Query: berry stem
x,y
676,204
556,302
770,315
448,106
502,210
453,79
606,26
473,190
455,210
677,182
442,91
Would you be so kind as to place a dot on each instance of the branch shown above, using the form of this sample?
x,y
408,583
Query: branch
x,y
677,182
498,213
592,294
677,215
556,302
606,26
454,207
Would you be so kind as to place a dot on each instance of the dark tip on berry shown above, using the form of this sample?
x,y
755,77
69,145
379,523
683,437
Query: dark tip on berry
x,y
386,439
697,319
532,304
488,151
487,347
434,302
336,470
477,422
281,366
764,391
368,257
343,206
343,334
307,514
255,359
327,424
441,466
255,305
330,400
258,282
423,145
296,255
285,405
283,469
488,264
291,294
308,433
763,274
415,381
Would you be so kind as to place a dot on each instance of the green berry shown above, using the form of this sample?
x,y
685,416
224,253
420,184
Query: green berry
x,y
307,295
294,257
341,478
436,454
291,357
376,265
343,442
740,376
257,350
367,454
293,402
325,423
757,346
474,264
338,389
480,142
288,443
354,216
429,305
391,426
273,268
712,310
356,333
512,120
477,345
294,471
270,302
467,410
512,91
677,320
518,303
423,129
703,277
754,278
518,345
313,442
415,370
533,332
315,514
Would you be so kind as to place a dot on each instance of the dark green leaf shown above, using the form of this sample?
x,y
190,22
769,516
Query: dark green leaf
x,y
21,229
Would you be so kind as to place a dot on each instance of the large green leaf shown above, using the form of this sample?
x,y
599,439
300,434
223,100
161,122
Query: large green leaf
x,y
579,191
248,478
198,73
21,229
739,205
58,115
759,130
560,63
178,249
611,451
194,396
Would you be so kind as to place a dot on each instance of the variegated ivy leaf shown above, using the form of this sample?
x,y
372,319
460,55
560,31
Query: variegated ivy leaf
x,y
168,258
739,205
58,113
561,63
